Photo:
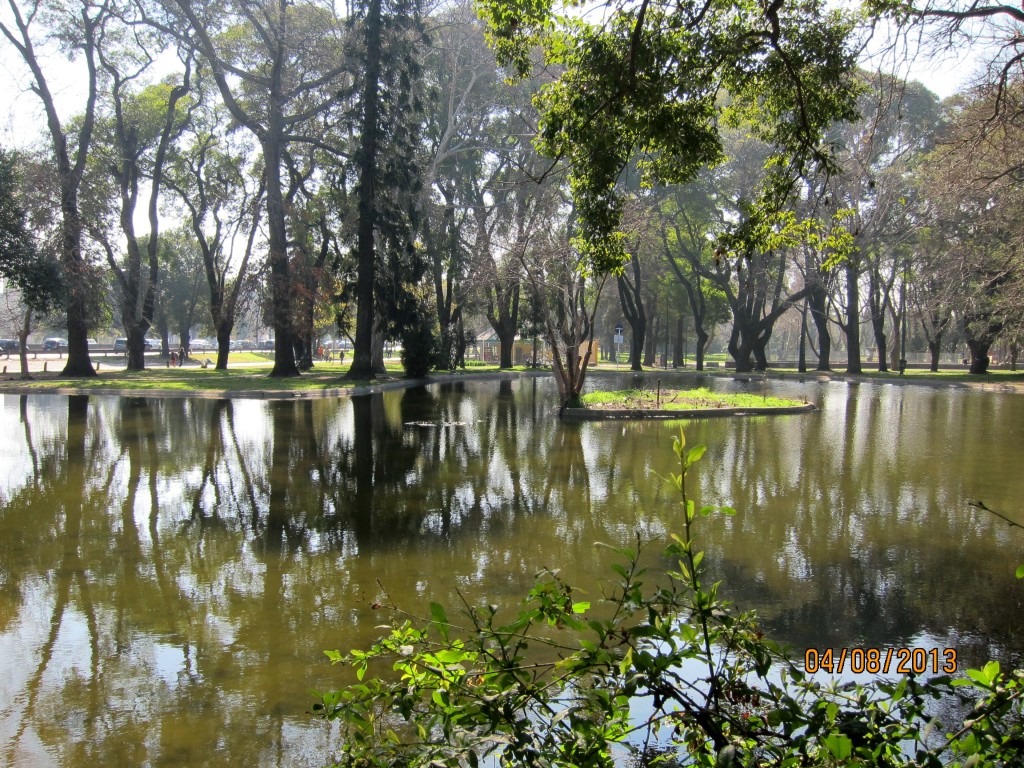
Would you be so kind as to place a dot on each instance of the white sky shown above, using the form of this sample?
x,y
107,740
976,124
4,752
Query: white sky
x,y
24,120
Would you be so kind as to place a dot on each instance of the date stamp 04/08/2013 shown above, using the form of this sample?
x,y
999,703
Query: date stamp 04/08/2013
x,y
884,661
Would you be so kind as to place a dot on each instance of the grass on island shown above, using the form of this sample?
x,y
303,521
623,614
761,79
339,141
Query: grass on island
x,y
681,400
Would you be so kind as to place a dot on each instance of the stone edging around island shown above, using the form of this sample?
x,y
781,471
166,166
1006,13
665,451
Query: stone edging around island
x,y
611,414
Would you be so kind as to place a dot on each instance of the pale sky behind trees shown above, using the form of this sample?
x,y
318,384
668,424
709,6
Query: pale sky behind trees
x,y
24,122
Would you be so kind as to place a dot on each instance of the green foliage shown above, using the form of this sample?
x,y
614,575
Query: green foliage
x,y
659,669
660,82
35,272
419,339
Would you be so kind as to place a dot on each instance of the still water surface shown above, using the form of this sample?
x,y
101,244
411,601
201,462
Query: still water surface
x,y
171,570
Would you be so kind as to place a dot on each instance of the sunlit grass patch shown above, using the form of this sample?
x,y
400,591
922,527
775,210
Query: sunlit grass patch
x,y
682,399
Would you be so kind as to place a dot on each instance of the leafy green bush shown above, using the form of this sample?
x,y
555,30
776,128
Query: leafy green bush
x,y
660,671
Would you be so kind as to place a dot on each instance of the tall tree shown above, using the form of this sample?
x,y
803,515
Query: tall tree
x,y
74,29
649,80
26,266
222,198
975,231
463,135
134,146
390,111
277,66
877,194
689,219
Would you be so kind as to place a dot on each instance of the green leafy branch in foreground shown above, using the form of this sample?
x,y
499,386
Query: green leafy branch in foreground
x,y
658,671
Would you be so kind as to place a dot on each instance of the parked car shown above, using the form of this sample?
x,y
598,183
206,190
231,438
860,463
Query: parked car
x,y
266,346
55,344
121,345
201,345
9,346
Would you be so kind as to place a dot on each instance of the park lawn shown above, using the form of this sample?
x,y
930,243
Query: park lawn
x,y
195,379
681,400
250,378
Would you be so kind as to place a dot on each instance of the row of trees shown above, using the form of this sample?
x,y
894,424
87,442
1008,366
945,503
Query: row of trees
x,y
401,171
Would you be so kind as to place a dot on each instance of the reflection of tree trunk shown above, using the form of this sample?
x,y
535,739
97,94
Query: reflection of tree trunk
x,y
569,472
362,451
282,419
214,452
71,568
249,478
29,444
133,439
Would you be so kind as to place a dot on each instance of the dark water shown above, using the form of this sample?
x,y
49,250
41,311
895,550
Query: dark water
x,y
171,570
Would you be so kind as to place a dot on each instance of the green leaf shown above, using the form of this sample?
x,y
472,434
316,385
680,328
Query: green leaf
x,y
839,745
440,619
695,453
627,662
1020,571
581,607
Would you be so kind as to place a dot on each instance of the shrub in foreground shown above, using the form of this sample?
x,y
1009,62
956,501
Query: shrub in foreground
x,y
660,671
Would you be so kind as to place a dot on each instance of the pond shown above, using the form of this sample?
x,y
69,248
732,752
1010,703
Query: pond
x,y
172,570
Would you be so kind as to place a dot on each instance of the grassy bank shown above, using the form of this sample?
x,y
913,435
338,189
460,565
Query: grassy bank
x,y
248,374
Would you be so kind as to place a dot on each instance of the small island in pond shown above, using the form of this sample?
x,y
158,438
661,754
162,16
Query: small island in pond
x,y
680,403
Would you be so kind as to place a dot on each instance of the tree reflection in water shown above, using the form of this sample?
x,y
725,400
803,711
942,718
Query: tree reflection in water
x,y
171,570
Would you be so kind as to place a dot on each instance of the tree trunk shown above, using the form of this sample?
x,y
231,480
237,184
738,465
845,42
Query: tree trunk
x,y
935,350
852,326
760,350
698,352
677,352
362,357
377,347
632,303
136,345
817,300
23,332
979,355
648,346
881,340
503,315
280,277
223,345
740,348
801,363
